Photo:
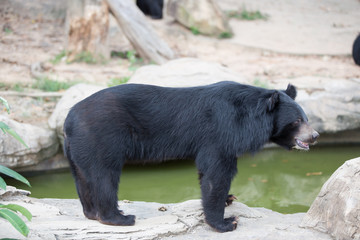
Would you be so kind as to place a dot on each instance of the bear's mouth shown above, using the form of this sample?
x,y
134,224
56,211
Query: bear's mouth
x,y
301,144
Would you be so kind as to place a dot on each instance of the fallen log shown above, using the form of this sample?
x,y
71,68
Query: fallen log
x,y
139,32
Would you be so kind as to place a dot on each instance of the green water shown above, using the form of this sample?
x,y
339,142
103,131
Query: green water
x,y
277,179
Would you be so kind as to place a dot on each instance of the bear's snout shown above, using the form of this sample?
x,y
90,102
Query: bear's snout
x,y
315,136
305,137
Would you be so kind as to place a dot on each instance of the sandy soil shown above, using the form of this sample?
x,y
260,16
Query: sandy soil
x,y
300,38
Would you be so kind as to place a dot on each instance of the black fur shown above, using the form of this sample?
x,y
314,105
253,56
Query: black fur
x,y
153,8
356,50
212,124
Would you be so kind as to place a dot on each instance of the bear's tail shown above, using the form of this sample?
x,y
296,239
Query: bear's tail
x,y
66,148
67,151
67,154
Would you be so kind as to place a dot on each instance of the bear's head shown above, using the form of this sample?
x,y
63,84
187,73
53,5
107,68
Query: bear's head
x,y
291,128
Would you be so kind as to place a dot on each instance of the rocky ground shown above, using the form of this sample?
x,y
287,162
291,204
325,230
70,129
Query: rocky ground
x,y
63,219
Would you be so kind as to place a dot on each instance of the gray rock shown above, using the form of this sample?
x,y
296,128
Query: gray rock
x,y
332,105
42,143
72,96
12,192
63,219
336,210
203,15
185,72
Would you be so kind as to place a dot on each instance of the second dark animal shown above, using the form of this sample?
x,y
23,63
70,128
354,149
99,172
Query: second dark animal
x,y
152,8
356,50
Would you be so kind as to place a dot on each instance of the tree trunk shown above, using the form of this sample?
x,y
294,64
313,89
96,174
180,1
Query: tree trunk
x,y
87,30
139,32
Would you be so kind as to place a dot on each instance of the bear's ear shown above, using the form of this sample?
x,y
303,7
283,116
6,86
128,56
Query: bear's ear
x,y
272,101
291,91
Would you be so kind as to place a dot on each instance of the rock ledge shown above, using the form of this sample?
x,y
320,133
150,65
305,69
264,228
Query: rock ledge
x,y
63,219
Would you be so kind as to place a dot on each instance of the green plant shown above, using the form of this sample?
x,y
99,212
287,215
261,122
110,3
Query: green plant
x,y
118,81
257,82
4,102
8,211
132,56
135,61
48,85
118,54
247,15
7,30
194,30
58,57
225,35
86,57
89,58
18,87
5,128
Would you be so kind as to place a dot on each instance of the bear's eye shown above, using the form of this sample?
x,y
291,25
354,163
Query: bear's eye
x,y
296,123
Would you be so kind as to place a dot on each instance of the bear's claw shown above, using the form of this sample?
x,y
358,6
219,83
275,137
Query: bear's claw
x,y
230,199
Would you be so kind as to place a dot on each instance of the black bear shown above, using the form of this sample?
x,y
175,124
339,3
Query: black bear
x,y
153,8
356,50
211,124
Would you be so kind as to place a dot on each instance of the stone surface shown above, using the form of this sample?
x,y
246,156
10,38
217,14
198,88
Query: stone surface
x,y
185,72
204,16
42,143
12,192
57,162
332,105
63,219
70,98
336,210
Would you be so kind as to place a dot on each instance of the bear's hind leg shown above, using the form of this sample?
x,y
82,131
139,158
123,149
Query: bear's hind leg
x,y
107,202
84,190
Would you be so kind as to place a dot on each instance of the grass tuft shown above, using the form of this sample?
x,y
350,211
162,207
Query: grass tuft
x,y
118,81
48,85
57,59
195,30
259,83
244,14
224,35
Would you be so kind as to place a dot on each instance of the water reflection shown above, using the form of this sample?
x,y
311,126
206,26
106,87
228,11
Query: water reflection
x,y
287,181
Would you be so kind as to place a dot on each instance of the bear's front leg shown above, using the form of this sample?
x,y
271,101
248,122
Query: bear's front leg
x,y
214,188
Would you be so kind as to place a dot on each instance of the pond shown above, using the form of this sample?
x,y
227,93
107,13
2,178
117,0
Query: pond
x,y
277,179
